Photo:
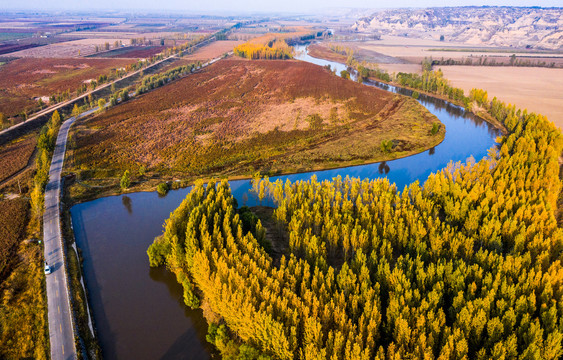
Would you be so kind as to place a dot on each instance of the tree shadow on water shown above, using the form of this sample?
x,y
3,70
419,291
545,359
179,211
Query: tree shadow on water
x,y
191,344
384,168
126,200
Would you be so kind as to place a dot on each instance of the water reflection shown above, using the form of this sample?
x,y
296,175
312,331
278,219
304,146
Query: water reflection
x,y
126,201
384,168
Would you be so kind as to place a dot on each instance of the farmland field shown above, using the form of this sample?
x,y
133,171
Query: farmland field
x,y
23,80
13,220
237,116
14,35
15,155
413,49
131,52
526,87
530,88
67,49
213,50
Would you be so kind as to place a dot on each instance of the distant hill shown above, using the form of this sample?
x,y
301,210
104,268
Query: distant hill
x,y
519,27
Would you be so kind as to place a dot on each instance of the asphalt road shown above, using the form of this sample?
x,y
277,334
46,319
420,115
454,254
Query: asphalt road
x,y
61,332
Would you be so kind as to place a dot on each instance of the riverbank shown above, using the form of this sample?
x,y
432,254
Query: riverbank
x,y
477,111
83,191
322,52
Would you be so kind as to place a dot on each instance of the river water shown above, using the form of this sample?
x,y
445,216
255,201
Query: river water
x,y
139,311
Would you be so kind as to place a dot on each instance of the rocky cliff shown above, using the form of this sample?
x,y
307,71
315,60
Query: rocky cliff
x,y
519,27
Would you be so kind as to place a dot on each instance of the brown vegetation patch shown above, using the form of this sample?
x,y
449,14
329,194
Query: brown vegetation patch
x,y
237,116
213,50
13,220
131,52
45,77
15,156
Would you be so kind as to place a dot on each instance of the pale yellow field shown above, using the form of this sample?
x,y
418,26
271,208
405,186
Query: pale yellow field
x,y
406,68
537,89
417,52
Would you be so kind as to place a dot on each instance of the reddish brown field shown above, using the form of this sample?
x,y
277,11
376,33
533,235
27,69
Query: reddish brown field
x,y
131,52
15,155
23,80
213,50
236,116
13,220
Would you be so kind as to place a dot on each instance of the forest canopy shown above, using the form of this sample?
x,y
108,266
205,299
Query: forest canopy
x,y
274,49
467,265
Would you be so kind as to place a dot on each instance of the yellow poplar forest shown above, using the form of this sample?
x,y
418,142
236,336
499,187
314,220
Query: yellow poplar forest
x,y
467,265
275,49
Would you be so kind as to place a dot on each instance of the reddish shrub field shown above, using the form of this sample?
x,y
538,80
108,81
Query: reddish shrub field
x,y
14,156
237,116
13,219
22,80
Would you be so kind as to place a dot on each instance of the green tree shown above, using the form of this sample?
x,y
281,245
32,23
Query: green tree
x,y
315,121
386,145
3,119
163,188
55,119
75,110
101,104
125,181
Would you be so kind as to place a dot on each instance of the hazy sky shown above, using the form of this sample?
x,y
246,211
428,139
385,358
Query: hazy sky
x,y
250,5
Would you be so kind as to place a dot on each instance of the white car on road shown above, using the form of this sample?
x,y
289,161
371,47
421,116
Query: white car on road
x,y
47,269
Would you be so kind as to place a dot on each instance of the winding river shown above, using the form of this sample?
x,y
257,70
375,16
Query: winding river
x,y
139,311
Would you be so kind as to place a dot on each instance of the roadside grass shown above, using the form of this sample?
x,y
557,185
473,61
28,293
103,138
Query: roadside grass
x,y
23,308
78,295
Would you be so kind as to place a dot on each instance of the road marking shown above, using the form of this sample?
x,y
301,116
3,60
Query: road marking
x,y
61,327
58,307
63,348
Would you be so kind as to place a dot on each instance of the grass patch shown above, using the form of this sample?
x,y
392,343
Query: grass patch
x,y
78,296
23,317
